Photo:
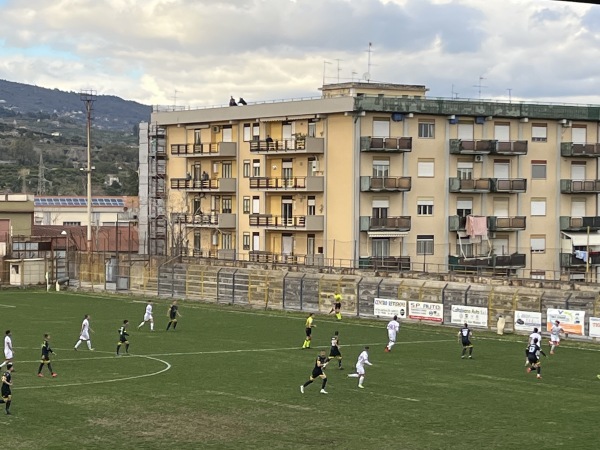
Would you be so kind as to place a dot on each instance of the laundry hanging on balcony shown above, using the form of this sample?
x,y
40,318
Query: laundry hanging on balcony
x,y
477,226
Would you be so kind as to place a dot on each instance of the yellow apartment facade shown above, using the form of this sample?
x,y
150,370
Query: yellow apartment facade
x,y
373,175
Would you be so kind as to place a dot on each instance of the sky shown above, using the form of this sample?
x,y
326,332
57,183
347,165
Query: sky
x,y
193,53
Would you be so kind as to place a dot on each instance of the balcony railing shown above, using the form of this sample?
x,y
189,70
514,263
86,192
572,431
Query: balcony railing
x,y
514,261
568,223
514,223
580,186
509,185
228,149
306,144
304,223
477,147
473,185
222,220
388,184
400,223
307,184
569,260
388,263
213,185
391,144
580,150
511,148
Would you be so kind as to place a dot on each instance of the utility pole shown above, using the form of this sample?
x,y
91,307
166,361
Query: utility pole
x,y
88,97
41,188
338,69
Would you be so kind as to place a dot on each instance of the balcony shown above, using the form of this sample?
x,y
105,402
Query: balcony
x,y
514,223
509,185
385,263
568,223
387,184
302,184
580,186
479,147
510,148
481,185
301,145
514,261
299,223
401,223
214,185
224,220
388,145
568,260
218,149
579,150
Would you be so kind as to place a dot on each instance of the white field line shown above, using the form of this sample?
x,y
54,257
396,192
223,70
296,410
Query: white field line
x,y
260,400
7,306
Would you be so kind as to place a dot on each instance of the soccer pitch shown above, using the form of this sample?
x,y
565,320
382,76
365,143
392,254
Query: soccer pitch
x,y
229,378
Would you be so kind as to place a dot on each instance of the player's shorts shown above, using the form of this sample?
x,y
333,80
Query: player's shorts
x,y
360,369
555,340
147,317
5,391
173,316
122,339
317,372
8,354
334,352
308,332
45,358
533,359
466,343
392,335
85,336
337,306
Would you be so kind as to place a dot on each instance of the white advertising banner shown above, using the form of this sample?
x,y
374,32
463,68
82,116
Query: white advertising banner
x,y
595,327
472,315
527,321
570,320
433,312
389,307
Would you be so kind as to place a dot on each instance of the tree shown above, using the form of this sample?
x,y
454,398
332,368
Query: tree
x,y
23,152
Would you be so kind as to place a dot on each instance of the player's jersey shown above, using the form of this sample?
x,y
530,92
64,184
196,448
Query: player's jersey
x,y
46,350
465,335
6,378
85,326
555,331
7,344
393,326
309,322
322,360
173,311
149,309
533,336
334,341
123,332
533,350
363,358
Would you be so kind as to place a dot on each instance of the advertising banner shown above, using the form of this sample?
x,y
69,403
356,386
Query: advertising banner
x,y
570,320
527,321
472,315
389,307
433,312
594,327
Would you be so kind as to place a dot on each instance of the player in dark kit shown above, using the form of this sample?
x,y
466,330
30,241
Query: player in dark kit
x,y
317,372
335,352
465,335
123,338
173,313
46,351
533,356
5,390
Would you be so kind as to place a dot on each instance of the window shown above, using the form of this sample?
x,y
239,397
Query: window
x,y
538,170
246,241
311,210
381,128
501,207
196,205
538,206
501,168
539,132
502,131
246,205
538,244
312,129
464,170
226,169
424,244
287,130
71,224
425,207
310,244
380,209
578,207
246,168
579,134
255,132
380,248
226,205
465,131
197,240
425,168
256,167
538,274
226,241
426,129
381,168
465,250
256,241
578,170
500,246
227,133
256,205
197,137
464,207
247,132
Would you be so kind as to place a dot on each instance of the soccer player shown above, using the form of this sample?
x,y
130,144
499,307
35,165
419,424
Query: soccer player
x,y
84,335
8,349
334,352
555,336
393,327
173,313
148,316
363,359
123,338
5,390
46,350
308,329
337,306
464,336
533,356
535,335
317,372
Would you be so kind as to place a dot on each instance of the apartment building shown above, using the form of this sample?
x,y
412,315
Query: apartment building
x,y
377,175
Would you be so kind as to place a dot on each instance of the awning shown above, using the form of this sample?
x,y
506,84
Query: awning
x,y
384,234
273,119
580,239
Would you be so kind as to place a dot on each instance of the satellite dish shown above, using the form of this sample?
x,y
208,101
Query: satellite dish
x,y
366,76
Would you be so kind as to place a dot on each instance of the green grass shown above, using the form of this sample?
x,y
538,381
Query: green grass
x,y
229,378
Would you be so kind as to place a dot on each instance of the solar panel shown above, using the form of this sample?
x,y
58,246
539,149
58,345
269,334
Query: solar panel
x,y
78,201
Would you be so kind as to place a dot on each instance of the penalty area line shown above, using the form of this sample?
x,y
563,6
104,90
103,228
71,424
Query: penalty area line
x,y
259,400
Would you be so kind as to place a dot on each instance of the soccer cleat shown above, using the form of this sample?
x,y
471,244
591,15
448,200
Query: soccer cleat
x,y
92,349
323,391
539,377
361,386
302,389
8,412
341,368
41,375
470,357
75,348
387,350
118,354
462,357
54,375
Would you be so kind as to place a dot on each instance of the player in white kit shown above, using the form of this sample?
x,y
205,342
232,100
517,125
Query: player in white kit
x,y
392,328
555,336
535,335
84,335
148,316
8,349
363,359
